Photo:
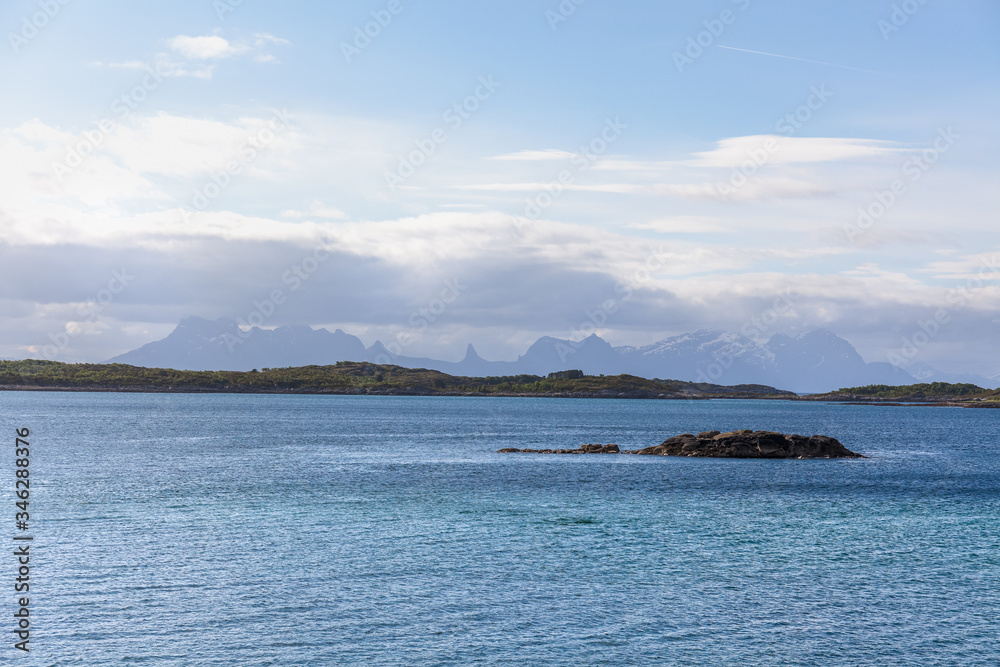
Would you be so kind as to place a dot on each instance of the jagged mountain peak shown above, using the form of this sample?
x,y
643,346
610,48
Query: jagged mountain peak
x,y
377,348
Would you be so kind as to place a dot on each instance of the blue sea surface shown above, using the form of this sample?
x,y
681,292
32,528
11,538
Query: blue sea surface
x,y
188,530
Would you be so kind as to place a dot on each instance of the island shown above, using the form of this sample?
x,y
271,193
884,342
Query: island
x,y
925,393
357,378
745,444
365,378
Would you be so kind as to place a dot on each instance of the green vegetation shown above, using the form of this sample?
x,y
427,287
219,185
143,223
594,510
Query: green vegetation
x,y
348,378
931,390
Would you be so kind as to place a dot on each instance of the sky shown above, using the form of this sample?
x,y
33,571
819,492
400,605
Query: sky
x,y
432,174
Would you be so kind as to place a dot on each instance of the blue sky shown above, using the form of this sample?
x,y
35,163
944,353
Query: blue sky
x,y
647,130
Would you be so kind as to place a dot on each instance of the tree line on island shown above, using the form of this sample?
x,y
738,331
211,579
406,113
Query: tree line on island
x,y
347,378
369,378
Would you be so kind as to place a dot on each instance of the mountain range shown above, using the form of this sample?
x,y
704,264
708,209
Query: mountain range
x,y
812,362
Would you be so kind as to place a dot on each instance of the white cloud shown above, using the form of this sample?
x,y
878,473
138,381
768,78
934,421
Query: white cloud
x,y
775,149
262,38
117,173
165,65
617,164
757,188
183,147
680,224
209,47
547,154
317,209
32,193
620,188
968,268
780,168
128,64
200,49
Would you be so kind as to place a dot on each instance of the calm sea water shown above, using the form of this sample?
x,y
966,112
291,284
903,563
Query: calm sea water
x,y
310,530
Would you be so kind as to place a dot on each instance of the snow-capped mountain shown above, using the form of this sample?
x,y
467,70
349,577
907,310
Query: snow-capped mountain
x,y
701,356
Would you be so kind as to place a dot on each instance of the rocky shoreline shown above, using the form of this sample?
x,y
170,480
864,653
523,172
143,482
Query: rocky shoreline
x,y
743,444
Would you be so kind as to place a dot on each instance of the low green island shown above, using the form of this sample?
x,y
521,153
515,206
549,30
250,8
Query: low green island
x,y
926,393
356,378
363,378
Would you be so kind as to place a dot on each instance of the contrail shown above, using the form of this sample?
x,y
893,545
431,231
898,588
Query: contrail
x,y
805,60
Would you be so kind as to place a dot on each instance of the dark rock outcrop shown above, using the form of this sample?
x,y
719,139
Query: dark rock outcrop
x,y
583,449
733,445
751,445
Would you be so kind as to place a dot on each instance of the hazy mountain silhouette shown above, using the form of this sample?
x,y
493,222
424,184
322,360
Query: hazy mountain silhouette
x,y
926,373
824,355
198,344
811,362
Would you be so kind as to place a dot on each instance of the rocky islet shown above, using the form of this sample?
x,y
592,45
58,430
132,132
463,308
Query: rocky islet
x,y
744,444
